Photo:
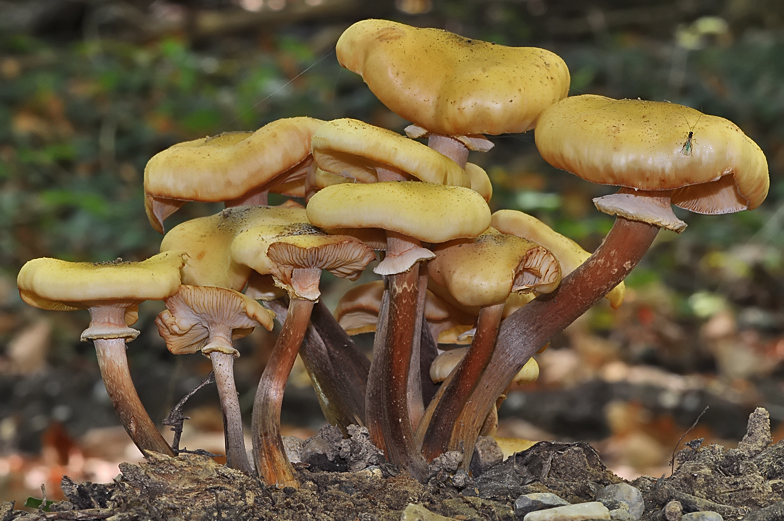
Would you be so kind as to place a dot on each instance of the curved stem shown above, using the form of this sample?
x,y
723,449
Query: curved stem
x,y
223,368
268,451
450,147
528,329
387,403
338,370
127,405
436,429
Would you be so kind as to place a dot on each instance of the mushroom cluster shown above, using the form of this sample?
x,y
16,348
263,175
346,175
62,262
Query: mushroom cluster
x,y
450,271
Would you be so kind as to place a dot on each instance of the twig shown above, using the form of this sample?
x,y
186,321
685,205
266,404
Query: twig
x,y
693,425
176,420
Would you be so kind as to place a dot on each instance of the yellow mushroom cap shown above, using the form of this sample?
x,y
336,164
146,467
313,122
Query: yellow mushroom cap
x,y
453,85
193,310
446,362
480,181
485,270
645,145
279,249
569,254
228,166
208,241
61,285
425,211
355,149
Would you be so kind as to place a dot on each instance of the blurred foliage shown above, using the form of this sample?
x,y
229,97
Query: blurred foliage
x,y
79,118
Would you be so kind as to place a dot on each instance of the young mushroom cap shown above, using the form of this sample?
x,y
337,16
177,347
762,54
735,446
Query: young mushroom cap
x,y
357,150
208,242
484,270
569,254
453,85
229,166
702,163
192,311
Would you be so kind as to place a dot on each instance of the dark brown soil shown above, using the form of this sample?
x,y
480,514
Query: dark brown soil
x,y
732,482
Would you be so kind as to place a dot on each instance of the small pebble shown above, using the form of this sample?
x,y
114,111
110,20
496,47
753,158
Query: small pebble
x,y
622,514
580,512
539,501
414,512
705,515
673,511
625,494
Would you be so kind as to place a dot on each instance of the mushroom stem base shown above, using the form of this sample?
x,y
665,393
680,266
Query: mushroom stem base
x,y
272,463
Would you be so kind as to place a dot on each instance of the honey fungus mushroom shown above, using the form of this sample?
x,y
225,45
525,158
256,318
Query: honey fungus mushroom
x,y
208,319
637,145
237,168
111,292
450,87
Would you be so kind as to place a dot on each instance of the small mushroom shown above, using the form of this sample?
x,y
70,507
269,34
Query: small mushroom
x,y
482,272
207,319
111,292
294,255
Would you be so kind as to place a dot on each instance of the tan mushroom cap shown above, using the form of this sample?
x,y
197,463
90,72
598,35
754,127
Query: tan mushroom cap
x,y
208,242
61,285
486,270
448,360
228,166
569,254
645,145
425,211
355,149
193,310
450,84
279,249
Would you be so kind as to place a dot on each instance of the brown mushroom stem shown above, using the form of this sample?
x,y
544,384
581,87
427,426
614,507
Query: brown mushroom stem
x,y
450,147
428,349
271,461
527,330
337,368
387,403
117,378
436,427
223,368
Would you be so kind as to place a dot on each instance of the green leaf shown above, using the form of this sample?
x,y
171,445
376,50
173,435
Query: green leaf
x,y
36,503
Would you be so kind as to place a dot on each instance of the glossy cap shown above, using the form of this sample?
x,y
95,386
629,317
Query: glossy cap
x,y
355,149
228,166
485,270
707,162
453,85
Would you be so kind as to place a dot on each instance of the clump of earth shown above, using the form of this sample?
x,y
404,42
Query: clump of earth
x,y
348,481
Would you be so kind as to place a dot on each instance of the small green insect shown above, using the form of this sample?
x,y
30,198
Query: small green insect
x,y
687,145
